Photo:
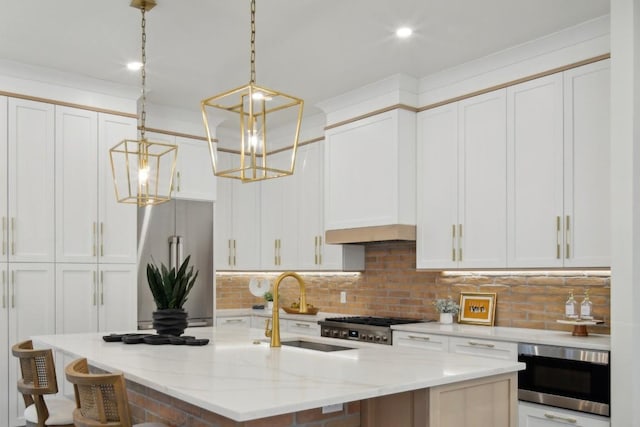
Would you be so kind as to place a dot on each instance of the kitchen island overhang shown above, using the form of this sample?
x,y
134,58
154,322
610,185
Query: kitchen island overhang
x,y
238,376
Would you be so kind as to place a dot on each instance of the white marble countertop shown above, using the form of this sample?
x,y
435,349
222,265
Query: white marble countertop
x,y
518,335
240,377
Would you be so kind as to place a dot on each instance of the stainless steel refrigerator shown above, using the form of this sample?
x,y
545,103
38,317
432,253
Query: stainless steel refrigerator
x,y
168,233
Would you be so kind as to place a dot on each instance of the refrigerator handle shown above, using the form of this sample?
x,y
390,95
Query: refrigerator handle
x,y
180,255
173,252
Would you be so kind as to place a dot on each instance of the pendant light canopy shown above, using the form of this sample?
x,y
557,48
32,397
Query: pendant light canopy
x,y
143,170
254,154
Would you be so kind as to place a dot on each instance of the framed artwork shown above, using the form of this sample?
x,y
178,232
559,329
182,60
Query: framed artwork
x,y
478,308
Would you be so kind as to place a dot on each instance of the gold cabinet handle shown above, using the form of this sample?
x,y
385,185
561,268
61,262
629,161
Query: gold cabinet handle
x,y
419,338
95,237
13,289
234,252
453,242
101,239
279,252
229,251
459,242
567,237
557,417
302,325
4,235
179,181
275,251
319,250
95,286
315,250
102,288
558,237
481,344
13,235
4,289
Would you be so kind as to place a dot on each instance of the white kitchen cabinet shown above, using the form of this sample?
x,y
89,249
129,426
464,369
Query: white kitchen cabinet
x,y
29,219
194,178
233,322
486,348
300,327
237,223
558,213
587,170
90,225
29,310
292,232
76,148
421,340
194,173
370,172
92,298
533,415
535,159
279,220
462,184
117,231
4,347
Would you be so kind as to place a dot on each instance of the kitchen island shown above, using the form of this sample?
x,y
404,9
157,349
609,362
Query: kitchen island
x,y
238,380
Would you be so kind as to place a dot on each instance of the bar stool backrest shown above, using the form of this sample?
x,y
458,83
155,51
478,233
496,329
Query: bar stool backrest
x,y
101,399
38,376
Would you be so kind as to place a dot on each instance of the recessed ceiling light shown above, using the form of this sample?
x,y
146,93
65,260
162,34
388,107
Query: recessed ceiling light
x,y
404,32
134,65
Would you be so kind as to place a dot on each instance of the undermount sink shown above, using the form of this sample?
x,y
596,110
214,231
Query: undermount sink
x,y
310,345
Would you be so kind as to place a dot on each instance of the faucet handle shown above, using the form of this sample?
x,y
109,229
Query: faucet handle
x,y
267,329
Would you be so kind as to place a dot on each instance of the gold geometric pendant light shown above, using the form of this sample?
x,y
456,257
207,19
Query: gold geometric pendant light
x,y
143,170
254,153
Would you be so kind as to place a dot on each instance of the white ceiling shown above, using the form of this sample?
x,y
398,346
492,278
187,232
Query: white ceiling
x,y
313,49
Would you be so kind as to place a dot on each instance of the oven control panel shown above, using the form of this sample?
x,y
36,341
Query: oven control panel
x,y
379,337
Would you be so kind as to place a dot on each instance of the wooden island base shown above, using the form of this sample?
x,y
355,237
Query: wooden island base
x,y
490,401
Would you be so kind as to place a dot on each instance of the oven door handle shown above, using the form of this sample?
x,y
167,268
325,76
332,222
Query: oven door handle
x,y
559,418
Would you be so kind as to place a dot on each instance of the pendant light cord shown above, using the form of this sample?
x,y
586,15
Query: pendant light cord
x,y
143,72
252,79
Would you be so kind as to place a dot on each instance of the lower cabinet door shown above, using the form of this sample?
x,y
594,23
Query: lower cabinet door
x,y
421,340
301,327
532,415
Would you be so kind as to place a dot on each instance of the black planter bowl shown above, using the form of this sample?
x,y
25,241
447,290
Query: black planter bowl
x,y
170,321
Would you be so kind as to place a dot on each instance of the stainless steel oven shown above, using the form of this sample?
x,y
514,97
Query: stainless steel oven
x,y
565,377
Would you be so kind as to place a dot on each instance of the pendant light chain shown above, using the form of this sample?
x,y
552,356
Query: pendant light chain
x,y
143,72
252,80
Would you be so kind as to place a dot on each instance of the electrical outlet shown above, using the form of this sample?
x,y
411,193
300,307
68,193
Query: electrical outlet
x,y
343,297
332,408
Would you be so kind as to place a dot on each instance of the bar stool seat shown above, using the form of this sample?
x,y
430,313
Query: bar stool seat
x,y
101,399
60,412
38,385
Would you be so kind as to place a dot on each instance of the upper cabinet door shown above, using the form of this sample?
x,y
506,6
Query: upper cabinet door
x,y
117,222
4,214
437,243
31,181
535,173
482,189
76,185
587,170
223,249
194,175
310,233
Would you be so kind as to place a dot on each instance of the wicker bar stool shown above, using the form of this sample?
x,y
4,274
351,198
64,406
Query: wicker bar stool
x,y
39,379
101,399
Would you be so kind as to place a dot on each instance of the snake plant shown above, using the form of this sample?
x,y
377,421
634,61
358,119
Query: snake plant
x,y
170,288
